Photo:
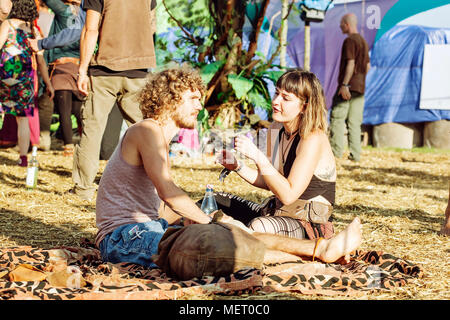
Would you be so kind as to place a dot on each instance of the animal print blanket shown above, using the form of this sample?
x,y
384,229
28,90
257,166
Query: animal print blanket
x,y
78,273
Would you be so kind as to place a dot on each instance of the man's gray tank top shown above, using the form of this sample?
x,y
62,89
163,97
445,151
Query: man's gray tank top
x,y
125,195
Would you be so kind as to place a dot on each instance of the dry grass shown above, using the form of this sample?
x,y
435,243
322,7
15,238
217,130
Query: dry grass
x,y
400,197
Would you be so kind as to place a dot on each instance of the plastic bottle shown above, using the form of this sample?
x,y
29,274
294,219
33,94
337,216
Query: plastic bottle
x,y
209,203
32,170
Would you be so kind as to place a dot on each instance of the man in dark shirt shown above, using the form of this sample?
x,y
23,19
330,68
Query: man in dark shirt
x,y
116,53
348,102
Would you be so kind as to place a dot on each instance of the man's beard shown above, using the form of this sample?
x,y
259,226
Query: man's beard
x,y
183,122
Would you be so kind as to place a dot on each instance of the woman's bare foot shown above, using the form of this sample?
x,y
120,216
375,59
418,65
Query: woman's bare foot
x,y
342,244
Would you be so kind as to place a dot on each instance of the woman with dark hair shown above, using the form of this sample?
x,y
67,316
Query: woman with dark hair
x,y
299,167
18,87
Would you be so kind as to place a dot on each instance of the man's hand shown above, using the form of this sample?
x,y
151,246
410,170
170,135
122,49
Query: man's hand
x,y
188,222
82,83
344,92
227,219
34,44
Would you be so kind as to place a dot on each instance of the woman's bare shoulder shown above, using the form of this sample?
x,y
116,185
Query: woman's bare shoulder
x,y
316,136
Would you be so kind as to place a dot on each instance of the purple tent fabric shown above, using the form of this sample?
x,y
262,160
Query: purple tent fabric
x,y
327,39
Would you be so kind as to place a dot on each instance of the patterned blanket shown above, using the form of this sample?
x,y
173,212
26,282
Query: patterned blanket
x,y
79,273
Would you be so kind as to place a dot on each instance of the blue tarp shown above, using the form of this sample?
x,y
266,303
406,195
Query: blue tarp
x,y
393,83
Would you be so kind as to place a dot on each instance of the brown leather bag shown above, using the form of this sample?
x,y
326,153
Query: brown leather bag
x,y
305,210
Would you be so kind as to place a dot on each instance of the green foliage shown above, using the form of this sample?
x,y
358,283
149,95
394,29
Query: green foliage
x,y
207,71
202,120
240,85
236,77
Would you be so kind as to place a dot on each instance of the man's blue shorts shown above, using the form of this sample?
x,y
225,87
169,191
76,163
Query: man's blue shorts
x,y
135,243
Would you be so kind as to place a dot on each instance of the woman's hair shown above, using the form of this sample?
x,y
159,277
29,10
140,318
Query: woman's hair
x,y
163,91
24,10
306,86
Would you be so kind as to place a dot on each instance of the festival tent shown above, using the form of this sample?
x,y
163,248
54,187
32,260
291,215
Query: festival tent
x,y
393,85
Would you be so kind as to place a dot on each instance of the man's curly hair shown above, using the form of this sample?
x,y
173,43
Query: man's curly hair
x,y
24,10
162,92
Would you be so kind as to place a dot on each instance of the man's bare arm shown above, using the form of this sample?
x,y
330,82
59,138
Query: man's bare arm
x,y
344,91
349,69
88,41
153,153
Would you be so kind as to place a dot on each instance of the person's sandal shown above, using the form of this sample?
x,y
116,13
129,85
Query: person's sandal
x,y
23,161
68,150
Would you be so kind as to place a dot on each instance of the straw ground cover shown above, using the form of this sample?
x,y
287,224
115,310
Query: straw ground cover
x,y
400,197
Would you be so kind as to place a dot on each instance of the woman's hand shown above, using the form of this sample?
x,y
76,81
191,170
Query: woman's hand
x,y
246,147
227,159
50,91
34,44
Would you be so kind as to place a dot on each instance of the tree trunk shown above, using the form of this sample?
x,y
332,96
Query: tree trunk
x,y
306,64
284,31
255,34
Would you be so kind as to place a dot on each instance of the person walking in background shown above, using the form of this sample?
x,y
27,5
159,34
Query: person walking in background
x,y
63,65
71,34
8,132
117,72
65,40
348,102
18,88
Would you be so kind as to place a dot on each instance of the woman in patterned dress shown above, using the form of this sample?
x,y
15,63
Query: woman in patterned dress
x,y
18,85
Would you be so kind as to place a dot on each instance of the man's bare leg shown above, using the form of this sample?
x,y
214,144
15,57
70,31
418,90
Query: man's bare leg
x,y
331,250
276,256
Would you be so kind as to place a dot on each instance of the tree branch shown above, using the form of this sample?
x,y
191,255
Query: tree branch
x,y
255,34
180,25
226,69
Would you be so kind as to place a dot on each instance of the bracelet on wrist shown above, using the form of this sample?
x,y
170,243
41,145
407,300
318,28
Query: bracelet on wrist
x,y
345,85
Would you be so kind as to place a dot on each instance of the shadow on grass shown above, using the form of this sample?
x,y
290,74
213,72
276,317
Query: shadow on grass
x,y
412,214
26,231
9,162
420,179
8,179
58,170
